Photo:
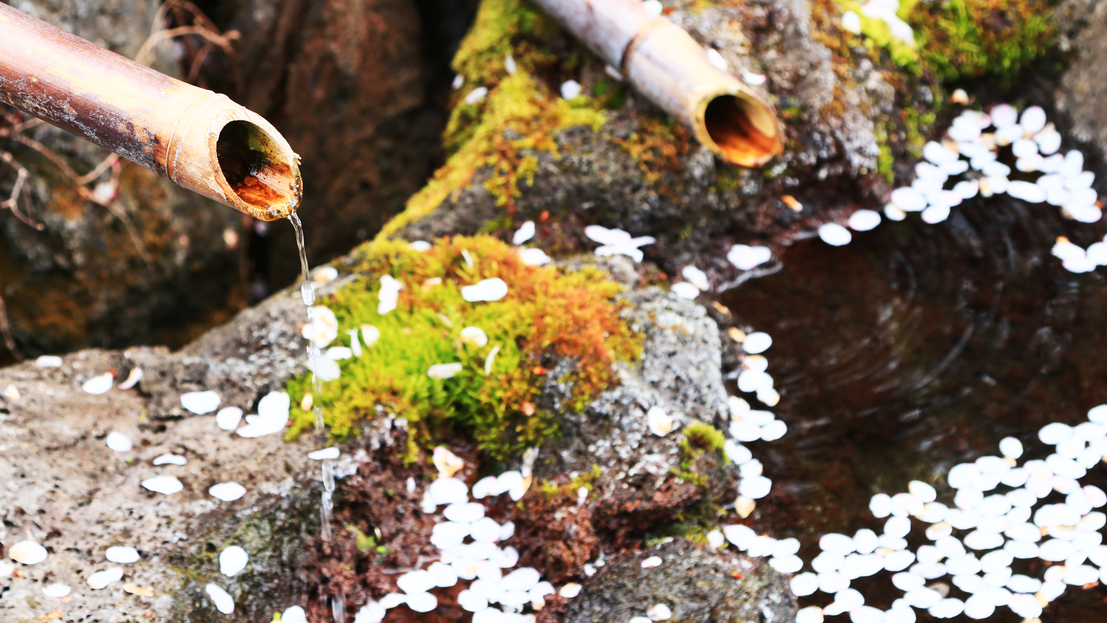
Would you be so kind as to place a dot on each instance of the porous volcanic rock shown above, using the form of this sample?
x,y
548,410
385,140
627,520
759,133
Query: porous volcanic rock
x,y
698,585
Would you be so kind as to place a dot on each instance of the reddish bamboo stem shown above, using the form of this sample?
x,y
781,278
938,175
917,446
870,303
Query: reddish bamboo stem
x,y
665,64
198,139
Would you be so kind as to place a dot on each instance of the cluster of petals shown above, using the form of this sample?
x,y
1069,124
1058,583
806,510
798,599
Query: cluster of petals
x,y
972,148
617,242
966,164
994,520
470,552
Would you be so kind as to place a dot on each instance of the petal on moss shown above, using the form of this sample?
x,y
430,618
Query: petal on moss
x,y
444,370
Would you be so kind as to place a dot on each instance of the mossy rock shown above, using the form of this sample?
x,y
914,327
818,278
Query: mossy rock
x,y
503,350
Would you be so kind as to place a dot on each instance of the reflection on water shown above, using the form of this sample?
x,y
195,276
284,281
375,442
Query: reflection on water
x,y
917,347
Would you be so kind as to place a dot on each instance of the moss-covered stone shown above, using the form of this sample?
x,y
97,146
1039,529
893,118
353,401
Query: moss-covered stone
x,y
548,315
519,113
959,39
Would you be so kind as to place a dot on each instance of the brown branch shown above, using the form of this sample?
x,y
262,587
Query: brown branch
x,y
62,165
203,27
104,165
198,62
12,202
129,225
147,47
78,183
6,332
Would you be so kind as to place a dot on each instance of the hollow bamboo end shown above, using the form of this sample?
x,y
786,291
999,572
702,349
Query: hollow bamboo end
x,y
740,127
257,170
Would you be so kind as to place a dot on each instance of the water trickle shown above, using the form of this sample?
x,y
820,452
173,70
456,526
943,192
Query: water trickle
x,y
328,503
307,292
338,607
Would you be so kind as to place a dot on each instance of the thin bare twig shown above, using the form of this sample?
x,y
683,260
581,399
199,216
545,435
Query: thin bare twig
x,y
104,165
12,202
198,62
144,54
129,225
62,165
6,332
78,183
205,29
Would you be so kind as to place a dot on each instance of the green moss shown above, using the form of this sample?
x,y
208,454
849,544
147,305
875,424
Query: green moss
x,y
698,439
918,127
364,542
961,39
877,35
502,28
958,39
548,313
689,476
885,161
518,116
588,480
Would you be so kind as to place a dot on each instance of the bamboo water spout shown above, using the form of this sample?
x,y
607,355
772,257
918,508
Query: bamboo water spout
x,y
665,64
194,137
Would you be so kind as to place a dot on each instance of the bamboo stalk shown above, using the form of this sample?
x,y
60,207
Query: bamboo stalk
x,y
198,139
665,64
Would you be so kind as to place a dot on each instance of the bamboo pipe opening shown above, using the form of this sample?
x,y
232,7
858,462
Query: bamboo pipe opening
x,y
255,166
741,128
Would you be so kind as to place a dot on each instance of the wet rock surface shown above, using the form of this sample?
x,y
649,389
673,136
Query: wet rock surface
x,y
679,372
68,491
698,586
254,354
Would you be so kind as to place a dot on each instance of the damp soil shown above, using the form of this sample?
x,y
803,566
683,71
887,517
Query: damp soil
x,y
915,348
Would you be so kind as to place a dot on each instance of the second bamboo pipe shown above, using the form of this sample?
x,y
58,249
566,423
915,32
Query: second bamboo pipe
x,y
664,63
194,137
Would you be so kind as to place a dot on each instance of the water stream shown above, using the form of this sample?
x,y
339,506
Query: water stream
x,y
307,292
917,347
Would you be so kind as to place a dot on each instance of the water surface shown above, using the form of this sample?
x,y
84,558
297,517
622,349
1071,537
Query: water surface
x,y
917,347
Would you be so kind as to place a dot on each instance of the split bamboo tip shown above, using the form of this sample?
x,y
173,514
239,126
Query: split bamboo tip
x,y
738,126
226,152
663,63
198,139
